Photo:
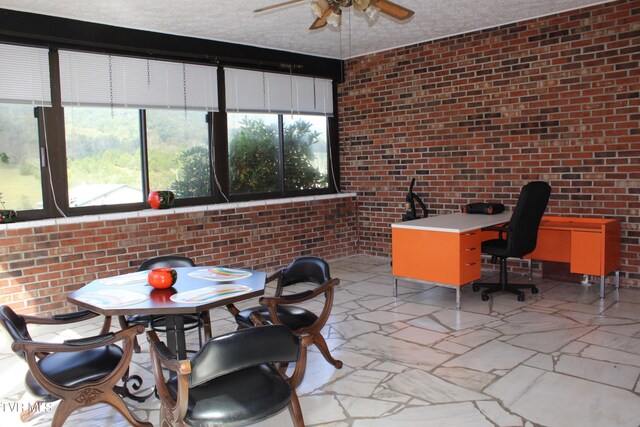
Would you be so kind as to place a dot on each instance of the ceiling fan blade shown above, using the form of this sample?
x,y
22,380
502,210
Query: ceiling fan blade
x,y
394,10
322,21
274,6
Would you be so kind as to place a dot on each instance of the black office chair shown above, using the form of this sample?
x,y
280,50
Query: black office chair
x,y
521,237
232,380
158,323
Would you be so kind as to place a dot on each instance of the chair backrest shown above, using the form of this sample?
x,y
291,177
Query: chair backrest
x,y
306,269
242,349
526,217
14,325
166,261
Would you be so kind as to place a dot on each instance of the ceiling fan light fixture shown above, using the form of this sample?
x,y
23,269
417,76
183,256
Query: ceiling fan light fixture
x,y
335,18
361,5
329,12
372,14
319,7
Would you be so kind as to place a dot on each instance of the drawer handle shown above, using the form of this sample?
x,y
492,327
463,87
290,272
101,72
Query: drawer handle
x,y
470,234
470,249
470,264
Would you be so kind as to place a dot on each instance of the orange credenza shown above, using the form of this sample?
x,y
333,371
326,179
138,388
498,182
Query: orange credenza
x,y
590,245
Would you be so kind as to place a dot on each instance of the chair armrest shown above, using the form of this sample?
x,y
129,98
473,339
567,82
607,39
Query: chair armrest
x,y
233,309
59,319
78,314
98,339
500,228
161,357
66,318
34,350
299,297
274,276
257,319
277,276
327,288
79,344
165,357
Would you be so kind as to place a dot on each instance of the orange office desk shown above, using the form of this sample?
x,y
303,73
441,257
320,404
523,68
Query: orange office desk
x,y
445,250
590,245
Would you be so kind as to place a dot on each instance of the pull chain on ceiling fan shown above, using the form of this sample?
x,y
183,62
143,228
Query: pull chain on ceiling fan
x,y
330,11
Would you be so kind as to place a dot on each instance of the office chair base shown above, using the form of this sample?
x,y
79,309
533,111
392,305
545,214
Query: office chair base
x,y
497,287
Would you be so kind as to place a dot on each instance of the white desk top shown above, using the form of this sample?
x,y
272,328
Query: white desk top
x,y
455,222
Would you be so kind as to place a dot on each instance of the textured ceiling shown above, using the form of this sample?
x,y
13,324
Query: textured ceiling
x,y
286,28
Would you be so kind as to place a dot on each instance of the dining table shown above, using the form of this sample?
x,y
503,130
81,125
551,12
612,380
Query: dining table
x,y
196,289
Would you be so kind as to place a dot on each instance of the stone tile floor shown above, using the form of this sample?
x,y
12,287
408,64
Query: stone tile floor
x,y
563,357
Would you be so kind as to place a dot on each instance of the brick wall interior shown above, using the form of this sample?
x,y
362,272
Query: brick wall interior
x,y
476,116
39,266
473,117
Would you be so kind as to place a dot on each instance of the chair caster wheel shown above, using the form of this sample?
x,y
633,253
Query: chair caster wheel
x,y
534,290
521,297
475,287
485,297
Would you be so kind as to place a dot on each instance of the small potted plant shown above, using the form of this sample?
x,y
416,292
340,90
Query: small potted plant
x,y
6,215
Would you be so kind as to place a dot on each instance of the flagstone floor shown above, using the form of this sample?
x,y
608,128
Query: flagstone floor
x,y
563,357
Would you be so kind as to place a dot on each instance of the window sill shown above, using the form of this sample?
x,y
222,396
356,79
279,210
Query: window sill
x,y
154,212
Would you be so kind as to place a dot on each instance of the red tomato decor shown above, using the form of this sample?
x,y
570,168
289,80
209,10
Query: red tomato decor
x,y
162,278
161,199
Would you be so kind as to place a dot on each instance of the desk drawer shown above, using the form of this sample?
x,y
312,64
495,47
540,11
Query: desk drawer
x,y
586,253
470,239
470,246
470,263
470,270
552,245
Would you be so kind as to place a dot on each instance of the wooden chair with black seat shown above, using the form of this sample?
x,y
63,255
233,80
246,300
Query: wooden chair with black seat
x,y
157,323
517,238
79,372
284,309
232,380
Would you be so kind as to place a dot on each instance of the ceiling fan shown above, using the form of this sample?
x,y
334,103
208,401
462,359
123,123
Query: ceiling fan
x,y
330,11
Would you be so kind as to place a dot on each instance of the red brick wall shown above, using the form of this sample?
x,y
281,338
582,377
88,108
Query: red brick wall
x,y
40,265
476,116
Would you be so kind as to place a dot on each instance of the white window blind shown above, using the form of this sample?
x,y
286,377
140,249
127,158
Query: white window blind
x,y
255,91
89,79
24,75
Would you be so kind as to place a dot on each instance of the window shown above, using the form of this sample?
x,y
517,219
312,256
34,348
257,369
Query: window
x,y
277,132
266,157
306,162
119,110
103,156
254,158
178,152
20,172
24,84
125,126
